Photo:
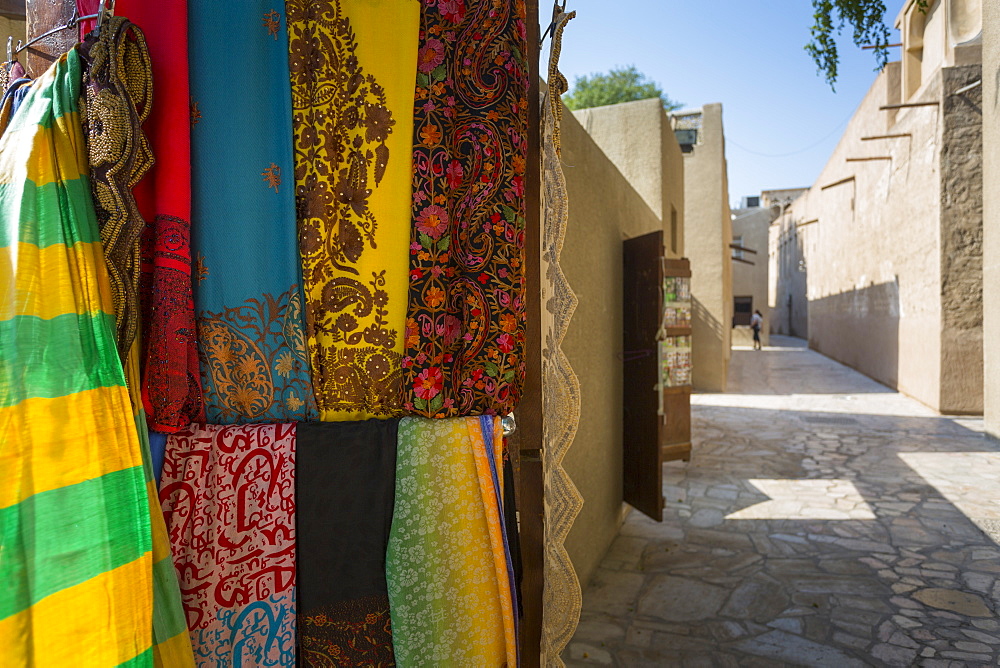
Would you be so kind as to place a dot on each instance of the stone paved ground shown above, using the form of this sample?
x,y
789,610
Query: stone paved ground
x,y
823,521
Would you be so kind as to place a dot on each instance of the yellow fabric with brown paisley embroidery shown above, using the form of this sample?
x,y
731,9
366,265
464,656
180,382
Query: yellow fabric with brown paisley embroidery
x,y
352,106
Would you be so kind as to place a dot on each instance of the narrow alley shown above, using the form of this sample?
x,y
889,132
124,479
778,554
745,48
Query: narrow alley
x,y
824,520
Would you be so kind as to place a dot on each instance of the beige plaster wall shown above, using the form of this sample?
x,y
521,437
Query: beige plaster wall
x,y
752,280
707,235
894,256
872,258
788,273
945,33
604,209
637,138
991,214
12,27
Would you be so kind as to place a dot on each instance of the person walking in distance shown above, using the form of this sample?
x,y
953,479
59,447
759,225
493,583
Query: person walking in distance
x,y
756,322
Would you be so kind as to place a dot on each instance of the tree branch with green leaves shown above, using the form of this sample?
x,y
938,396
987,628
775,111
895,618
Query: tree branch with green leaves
x,y
867,21
622,84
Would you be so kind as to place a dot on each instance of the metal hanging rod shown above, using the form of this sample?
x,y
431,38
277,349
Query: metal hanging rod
x,y
966,89
103,10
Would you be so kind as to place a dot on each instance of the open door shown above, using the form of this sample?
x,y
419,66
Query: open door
x,y
642,314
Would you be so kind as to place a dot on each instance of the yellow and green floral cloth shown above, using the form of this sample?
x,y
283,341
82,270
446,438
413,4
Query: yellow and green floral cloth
x,y
448,564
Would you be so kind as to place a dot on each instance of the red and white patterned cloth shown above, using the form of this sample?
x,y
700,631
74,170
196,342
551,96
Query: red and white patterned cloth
x,y
228,495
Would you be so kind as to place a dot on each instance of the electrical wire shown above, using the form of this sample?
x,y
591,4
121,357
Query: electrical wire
x,y
801,150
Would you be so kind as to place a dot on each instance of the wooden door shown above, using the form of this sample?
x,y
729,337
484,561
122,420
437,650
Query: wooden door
x,y
642,466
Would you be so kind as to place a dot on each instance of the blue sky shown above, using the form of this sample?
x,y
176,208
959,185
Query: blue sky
x,y
749,56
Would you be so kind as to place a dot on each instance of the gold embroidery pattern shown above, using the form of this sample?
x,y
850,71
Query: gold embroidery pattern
x,y
272,21
119,88
200,268
341,120
272,176
253,361
195,113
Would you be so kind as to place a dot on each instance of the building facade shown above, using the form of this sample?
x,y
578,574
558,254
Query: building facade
x,y
889,239
708,235
750,270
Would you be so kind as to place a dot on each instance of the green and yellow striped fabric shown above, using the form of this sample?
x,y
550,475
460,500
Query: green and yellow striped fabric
x,y
171,640
76,561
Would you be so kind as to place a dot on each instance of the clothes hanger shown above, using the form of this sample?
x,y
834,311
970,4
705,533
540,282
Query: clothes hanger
x,y
9,63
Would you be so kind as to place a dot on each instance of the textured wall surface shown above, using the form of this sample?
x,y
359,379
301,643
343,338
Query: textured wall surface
x,y
788,273
636,137
707,235
991,214
604,209
962,242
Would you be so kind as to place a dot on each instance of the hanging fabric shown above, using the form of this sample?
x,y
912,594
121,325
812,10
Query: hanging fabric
x,y
118,83
248,282
228,494
118,89
16,88
352,100
447,566
171,385
74,514
345,486
157,451
465,322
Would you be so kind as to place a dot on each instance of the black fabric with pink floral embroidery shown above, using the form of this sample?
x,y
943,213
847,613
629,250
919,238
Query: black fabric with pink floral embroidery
x,y
465,320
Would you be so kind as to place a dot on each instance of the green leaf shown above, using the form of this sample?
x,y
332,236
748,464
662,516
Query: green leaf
x,y
423,80
519,56
492,370
444,242
521,223
865,18
439,73
426,241
509,213
508,375
420,404
436,403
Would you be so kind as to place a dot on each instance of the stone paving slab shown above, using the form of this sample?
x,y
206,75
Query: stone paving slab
x,y
824,520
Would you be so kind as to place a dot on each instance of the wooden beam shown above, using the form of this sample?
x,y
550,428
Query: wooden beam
x,y
808,222
907,105
838,183
739,259
876,157
42,16
741,248
879,46
531,507
896,136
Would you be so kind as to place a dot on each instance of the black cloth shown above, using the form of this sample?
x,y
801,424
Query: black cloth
x,y
345,489
510,529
